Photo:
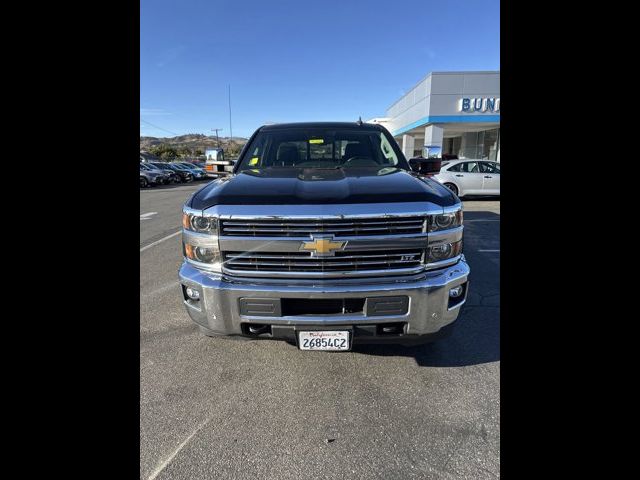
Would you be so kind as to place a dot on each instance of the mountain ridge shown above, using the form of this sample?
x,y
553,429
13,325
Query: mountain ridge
x,y
189,140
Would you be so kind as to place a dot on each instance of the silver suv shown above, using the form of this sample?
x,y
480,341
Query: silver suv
x,y
151,176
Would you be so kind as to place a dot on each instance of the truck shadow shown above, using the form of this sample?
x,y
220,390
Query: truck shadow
x,y
475,338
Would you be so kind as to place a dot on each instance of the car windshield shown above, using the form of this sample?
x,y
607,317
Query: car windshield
x,y
145,167
321,148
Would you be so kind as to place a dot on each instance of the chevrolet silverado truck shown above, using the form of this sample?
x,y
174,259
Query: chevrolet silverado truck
x,y
324,236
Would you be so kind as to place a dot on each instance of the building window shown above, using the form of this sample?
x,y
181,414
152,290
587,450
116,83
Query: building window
x,y
482,145
491,144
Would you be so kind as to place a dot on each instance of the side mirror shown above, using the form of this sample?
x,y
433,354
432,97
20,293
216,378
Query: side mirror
x,y
426,166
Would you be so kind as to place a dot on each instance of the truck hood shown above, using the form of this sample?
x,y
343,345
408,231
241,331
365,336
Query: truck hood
x,y
297,186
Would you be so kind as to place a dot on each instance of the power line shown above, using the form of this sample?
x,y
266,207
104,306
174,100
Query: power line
x,y
160,128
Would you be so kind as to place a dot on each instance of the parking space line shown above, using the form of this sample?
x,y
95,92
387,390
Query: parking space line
x,y
161,240
166,462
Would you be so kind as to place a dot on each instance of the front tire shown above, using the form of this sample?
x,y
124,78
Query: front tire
x,y
452,187
143,182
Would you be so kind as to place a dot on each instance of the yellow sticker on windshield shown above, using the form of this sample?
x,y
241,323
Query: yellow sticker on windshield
x,y
254,161
316,140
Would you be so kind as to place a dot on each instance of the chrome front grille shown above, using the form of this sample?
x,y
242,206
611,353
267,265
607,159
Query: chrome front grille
x,y
285,247
337,227
345,261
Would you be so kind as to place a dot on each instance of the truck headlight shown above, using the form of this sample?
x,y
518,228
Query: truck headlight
x,y
443,251
445,238
200,240
444,221
208,255
199,223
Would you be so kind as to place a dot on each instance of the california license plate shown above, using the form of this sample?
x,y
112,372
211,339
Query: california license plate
x,y
324,340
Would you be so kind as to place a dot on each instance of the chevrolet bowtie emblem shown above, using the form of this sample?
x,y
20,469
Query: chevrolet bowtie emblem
x,y
323,246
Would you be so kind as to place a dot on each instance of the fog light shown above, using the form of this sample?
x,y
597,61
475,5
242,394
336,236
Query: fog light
x,y
455,292
193,294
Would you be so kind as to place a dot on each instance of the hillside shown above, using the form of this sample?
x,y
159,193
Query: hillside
x,y
191,140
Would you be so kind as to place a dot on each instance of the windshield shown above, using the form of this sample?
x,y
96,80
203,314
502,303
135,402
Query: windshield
x,y
321,148
144,167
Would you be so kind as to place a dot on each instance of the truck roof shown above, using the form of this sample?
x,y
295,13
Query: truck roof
x,y
286,126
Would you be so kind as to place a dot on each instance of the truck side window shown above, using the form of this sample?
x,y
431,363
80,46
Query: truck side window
x,y
387,151
255,155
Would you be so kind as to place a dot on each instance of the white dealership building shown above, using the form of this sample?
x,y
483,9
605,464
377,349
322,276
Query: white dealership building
x,y
456,111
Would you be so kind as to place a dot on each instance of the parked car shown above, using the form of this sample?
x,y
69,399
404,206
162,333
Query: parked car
x,y
470,177
198,173
150,176
198,163
324,236
163,179
185,175
173,176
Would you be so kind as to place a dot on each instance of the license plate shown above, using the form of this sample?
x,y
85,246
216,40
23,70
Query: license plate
x,y
324,340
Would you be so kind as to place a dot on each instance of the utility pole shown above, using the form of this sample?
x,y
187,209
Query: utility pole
x,y
230,129
217,139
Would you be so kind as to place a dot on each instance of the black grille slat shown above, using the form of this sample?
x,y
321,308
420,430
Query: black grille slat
x,y
279,256
323,263
316,224
301,228
342,262
355,230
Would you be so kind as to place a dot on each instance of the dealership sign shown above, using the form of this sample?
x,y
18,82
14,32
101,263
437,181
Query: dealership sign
x,y
480,104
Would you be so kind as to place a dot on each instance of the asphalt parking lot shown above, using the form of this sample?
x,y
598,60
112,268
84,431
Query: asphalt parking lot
x,y
222,408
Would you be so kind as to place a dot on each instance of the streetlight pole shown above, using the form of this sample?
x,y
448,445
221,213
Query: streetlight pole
x,y
230,128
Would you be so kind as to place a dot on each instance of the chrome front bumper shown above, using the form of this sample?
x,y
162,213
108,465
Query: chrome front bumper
x,y
218,310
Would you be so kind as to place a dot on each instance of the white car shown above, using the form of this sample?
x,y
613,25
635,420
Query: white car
x,y
470,177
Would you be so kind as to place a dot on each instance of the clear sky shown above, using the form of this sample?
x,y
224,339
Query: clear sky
x,y
299,60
